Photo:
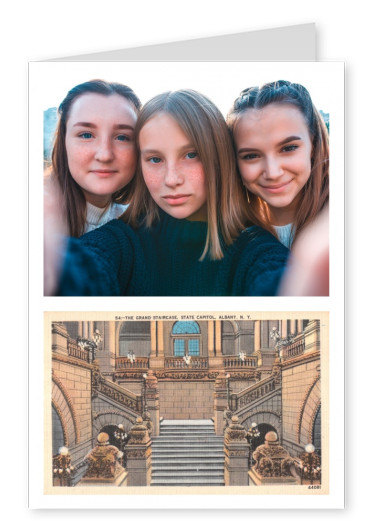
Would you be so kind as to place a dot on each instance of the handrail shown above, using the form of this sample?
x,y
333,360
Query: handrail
x,y
254,392
119,394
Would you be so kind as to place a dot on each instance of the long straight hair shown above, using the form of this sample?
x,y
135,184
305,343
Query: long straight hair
x,y
202,122
315,193
73,196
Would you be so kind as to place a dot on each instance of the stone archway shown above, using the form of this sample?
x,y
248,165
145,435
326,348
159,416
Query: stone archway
x,y
65,413
266,421
308,411
111,418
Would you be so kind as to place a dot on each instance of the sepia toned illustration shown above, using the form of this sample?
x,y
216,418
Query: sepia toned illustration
x,y
184,401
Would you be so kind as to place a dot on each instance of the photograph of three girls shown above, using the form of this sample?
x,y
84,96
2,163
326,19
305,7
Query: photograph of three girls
x,y
171,198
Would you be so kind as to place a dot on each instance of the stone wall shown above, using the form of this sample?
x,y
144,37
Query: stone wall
x,y
301,401
186,400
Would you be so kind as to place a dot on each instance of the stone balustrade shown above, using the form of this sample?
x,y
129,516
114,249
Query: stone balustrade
x,y
123,362
179,363
254,392
76,351
237,363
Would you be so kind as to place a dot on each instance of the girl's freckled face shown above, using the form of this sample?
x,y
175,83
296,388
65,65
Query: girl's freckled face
x,y
100,145
172,170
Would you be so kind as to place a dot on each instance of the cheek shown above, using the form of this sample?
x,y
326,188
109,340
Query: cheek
x,y
128,160
152,177
77,156
195,175
248,173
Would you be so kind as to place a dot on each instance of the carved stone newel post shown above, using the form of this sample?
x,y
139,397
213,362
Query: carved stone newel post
x,y
138,452
220,402
152,401
236,454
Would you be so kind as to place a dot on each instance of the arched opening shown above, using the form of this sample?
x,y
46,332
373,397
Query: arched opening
x,y
316,432
57,432
110,430
263,428
186,337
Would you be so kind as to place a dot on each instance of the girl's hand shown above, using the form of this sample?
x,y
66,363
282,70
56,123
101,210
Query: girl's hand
x,y
308,271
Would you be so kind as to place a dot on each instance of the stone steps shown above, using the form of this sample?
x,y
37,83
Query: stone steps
x,y
187,453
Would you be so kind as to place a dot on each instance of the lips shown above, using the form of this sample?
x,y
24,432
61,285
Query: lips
x,y
276,188
177,199
104,173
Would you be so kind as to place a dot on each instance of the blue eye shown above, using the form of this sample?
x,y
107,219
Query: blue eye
x,y
123,138
86,136
292,147
155,160
191,155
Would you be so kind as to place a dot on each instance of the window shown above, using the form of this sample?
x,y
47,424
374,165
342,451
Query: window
x,y
186,344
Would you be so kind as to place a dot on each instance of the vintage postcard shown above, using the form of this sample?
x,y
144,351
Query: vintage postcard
x,y
187,404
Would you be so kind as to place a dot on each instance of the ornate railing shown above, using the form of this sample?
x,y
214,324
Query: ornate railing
x,y
295,349
124,363
254,392
117,393
179,363
237,363
77,352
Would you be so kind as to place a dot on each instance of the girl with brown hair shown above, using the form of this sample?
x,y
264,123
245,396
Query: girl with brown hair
x,y
94,156
184,230
282,150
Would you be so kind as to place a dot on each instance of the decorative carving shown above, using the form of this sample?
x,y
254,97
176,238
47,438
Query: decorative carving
x,y
235,432
272,460
139,433
103,459
151,380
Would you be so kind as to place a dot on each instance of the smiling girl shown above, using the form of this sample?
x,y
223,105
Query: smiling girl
x,y
94,156
183,232
282,152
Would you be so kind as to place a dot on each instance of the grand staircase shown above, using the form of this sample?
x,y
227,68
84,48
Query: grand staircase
x,y
187,453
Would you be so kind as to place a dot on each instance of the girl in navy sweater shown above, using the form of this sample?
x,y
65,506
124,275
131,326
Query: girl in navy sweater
x,y
184,232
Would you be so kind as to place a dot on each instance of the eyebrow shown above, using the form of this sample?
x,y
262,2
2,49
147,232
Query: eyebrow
x,y
284,141
182,149
93,126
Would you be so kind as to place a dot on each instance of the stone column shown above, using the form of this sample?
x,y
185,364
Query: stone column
x,y
153,338
156,360
59,340
215,346
138,452
236,454
220,402
152,401
218,338
210,339
257,345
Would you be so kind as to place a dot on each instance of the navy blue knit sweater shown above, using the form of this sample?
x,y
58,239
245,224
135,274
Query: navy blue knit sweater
x,y
164,260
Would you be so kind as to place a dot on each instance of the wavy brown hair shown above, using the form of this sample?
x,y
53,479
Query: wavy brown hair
x,y
202,122
315,193
73,196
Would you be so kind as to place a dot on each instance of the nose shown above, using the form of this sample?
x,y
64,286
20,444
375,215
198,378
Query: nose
x,y
173,177
273,168
104,152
